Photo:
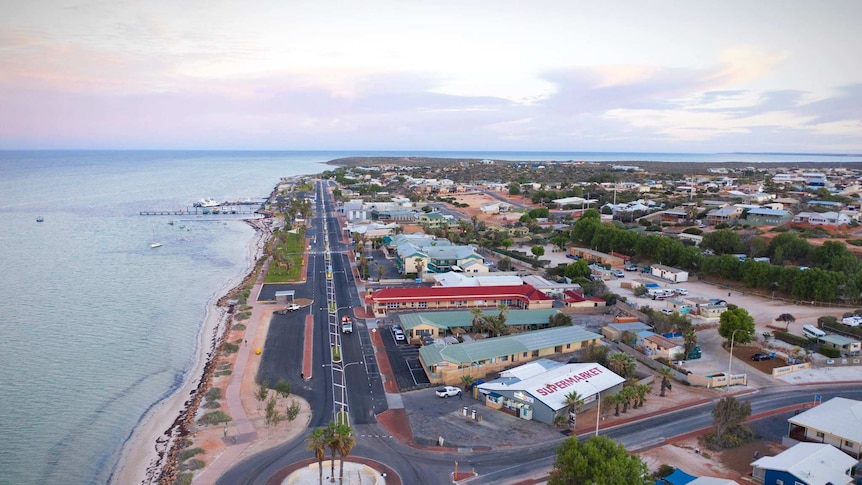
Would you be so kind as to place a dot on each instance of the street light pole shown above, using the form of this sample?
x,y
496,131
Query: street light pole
x,y
730,359
598,405
343,368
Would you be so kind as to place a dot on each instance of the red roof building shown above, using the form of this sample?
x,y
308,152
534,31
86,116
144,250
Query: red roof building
x,y
448,298
578,300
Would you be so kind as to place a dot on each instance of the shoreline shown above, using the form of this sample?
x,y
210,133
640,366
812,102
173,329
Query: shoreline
x,y
147,448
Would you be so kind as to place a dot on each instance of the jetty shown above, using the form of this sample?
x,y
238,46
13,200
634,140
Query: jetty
x,y
203,211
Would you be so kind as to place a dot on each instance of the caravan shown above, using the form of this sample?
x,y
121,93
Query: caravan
x,y
811,331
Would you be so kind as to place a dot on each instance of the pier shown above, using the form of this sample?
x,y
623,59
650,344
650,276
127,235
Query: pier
x,y
202,211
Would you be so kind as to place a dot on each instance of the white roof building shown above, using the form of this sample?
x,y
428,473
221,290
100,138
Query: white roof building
x,y
809,463
837,422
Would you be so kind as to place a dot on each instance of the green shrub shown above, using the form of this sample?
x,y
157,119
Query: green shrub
x,y
190,452
211,405
663,471
184,479
790,338
243,315
193,464
213,393
239,327
830,352
215,417
229,348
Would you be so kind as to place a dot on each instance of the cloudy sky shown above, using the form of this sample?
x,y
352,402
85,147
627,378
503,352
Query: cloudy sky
x,y
554,75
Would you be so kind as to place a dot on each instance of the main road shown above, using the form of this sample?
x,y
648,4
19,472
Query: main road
x,y
365,395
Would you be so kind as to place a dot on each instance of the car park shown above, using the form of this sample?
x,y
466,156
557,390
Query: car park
x,y
447,391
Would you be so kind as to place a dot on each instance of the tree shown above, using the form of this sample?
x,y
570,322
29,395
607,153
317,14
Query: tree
x,y
787,319
344,442
574,401
467,380
332,442
665,374
689,337
505,264
537,251
598,461
514,189
478,321
559,320
316,442
380,270
641,390
616,400
622,364
506,243
728,412
262,391
628,394
737,324
272,417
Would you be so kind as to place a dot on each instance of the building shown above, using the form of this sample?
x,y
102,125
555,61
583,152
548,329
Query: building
x,y
822,218
446,364
441,324
454,279
837,422
419,253
804,463
668,273
657,346
847,346
539,391
615,331
767,217
456,298
435,220
597,256
575,299
725,215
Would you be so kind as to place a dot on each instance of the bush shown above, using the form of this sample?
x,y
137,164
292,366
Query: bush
x,y
213,393
732,438
830,352
190,452
229,348
215,417
663,471
243,315
184,478
790,338
238,327
193,464
211,405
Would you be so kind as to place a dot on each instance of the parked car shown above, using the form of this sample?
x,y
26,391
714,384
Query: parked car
x,y
398,334
448,391
632,267
289,308
680,291
667,311
618,273
763,356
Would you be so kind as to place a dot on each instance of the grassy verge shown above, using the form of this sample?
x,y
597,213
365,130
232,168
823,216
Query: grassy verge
x,y
287,259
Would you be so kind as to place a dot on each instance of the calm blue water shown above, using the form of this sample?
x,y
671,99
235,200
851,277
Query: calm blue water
x,y
96,327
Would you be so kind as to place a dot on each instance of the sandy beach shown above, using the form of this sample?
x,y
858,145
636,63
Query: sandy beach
x,y
146,449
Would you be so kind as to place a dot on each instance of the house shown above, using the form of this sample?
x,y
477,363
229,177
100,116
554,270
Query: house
x,y
668,273
435,220
804,463
837,422
442,298
614,331
446,364
847,346
725,215
597,256
657,347
538,390
822,218
767,217
575,299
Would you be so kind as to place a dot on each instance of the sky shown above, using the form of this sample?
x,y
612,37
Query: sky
x,y
544,75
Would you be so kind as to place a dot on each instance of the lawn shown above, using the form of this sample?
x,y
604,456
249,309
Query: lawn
x,y
287,258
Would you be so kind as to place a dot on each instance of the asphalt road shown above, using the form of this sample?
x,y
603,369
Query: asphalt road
x,y
282,354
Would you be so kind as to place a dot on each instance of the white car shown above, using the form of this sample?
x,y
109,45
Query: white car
x,y
667,311
680,291
399,335
448,391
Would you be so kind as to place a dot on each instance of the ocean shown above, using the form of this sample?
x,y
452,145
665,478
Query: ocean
x,y
97,327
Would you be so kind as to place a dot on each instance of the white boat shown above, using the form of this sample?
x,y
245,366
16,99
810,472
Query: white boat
x,y
40,219
155,244
207,203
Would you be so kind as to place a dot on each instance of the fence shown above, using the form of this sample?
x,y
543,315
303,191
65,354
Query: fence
x,y
783,371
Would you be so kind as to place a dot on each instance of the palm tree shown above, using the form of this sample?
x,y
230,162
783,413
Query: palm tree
x,y
665,374
642,391
628,394
622,364
689,341
478,319
574,401
787,319
616,400
467,380
332,441
344,443
317,443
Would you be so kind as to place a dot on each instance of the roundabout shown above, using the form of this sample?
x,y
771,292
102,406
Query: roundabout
x,y
357,470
